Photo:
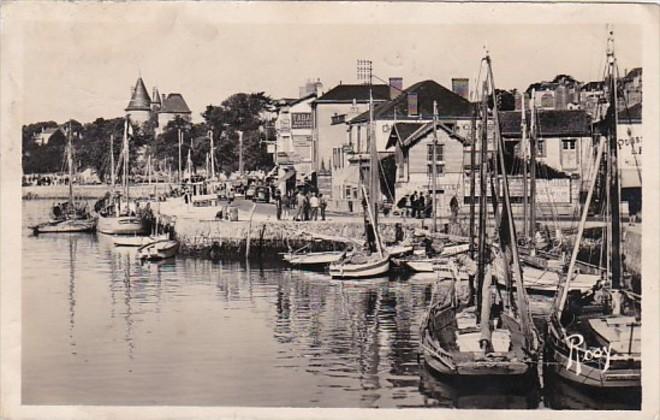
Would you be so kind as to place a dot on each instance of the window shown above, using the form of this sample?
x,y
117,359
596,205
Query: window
x,y
540,147
440,167
439,153
347,192
568,144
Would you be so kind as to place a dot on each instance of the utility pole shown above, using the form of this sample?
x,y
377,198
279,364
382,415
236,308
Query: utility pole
x,y
210,134
435,165
180,137
240,152
112,163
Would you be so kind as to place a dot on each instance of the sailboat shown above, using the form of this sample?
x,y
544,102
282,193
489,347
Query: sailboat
x,y
492,333
594,337
376,263
119,218
68,217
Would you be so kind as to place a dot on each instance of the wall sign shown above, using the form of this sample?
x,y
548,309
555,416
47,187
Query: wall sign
x,y
301,120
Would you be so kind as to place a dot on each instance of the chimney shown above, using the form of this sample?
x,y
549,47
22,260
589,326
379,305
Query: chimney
x,y
461,86
412,104
396,86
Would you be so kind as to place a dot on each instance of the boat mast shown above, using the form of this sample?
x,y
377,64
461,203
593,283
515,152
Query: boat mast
x,y
374,173
70,163
435,165
483,215
473,162
112,163
516,268
583,220
532,167
523,143
613,169
125,177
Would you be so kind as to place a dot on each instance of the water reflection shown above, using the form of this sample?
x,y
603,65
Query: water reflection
x,y
103,328
491,393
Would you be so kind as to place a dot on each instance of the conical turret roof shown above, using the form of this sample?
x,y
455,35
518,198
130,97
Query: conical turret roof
x,y
155,96
140,100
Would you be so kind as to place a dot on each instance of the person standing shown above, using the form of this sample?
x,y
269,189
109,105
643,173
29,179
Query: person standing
x,y
420,206
314,207
413,205
300,203
306,206
322,205
278,204
286,203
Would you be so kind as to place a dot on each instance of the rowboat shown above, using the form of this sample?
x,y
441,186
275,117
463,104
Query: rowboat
x,y
313,260
158,250
126,240
359,266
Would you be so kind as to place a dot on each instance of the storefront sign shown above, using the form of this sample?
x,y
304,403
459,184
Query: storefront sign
x,y
301,120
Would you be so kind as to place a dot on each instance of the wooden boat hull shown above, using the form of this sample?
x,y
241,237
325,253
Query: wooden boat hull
x,y
399,250
65,226
159,250
313,260
348,270
122,225
126,240
620,374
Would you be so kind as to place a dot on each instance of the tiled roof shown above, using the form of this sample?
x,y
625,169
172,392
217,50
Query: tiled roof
x,y
140,100
631,115
450,105
595,85
359,92
550,123
175,104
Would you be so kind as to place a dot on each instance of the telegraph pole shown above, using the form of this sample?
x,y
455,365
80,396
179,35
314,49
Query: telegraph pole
x,y
210,134
240,152
180,136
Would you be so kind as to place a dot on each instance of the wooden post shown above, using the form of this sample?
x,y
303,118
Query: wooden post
x,y
247,243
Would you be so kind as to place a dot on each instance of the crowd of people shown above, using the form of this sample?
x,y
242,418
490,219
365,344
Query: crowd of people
x,y
416,205
300,206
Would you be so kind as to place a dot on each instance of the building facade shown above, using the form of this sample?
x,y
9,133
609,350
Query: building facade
x,y
412,106
293,144
332,110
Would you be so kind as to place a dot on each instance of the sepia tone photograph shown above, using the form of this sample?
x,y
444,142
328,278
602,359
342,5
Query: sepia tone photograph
x,y
279,206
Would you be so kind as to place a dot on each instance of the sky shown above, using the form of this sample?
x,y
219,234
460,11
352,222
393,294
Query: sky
x,y
83,68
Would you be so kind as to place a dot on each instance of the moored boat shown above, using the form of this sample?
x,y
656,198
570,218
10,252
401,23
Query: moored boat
x,y
65,226
158,250
125,240
594,337
359,265
313,260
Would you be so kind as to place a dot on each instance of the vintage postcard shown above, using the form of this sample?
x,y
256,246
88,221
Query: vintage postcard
x,y
328,210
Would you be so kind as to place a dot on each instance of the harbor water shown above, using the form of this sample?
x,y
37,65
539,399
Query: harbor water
x,y
101,328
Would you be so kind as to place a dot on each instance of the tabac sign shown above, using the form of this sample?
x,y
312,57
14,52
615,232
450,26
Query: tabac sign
x,y
301,120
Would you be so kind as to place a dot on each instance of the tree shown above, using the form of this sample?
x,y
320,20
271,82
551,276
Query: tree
x,y
239,112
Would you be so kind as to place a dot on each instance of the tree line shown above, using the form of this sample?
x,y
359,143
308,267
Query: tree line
x,y
245,112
